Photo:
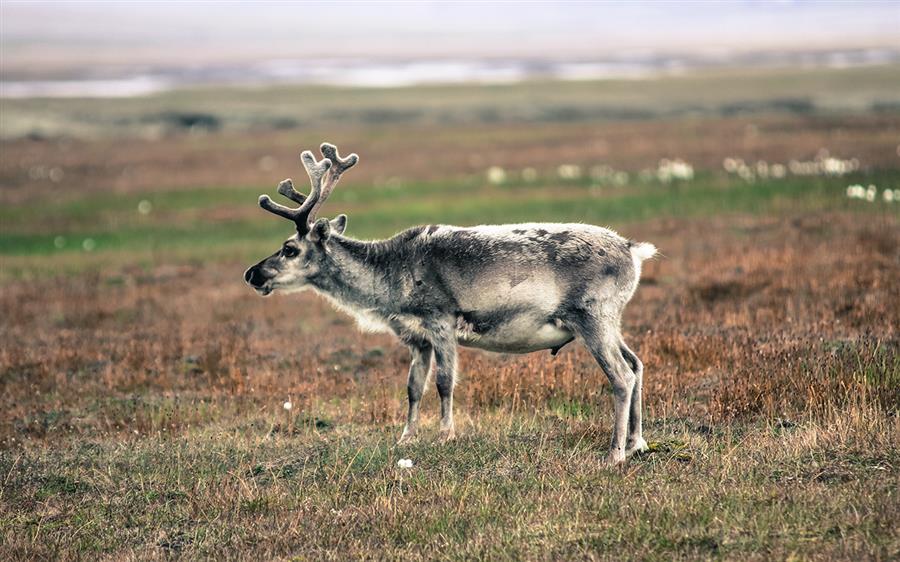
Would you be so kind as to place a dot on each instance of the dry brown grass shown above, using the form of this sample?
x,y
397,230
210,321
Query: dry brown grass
x,y
142,417
743,318
141,404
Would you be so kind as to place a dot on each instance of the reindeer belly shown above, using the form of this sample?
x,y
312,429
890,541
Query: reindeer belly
x,y
510,334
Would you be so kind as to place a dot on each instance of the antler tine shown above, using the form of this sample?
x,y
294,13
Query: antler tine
x,y
286,188
316,170
275,208
339,166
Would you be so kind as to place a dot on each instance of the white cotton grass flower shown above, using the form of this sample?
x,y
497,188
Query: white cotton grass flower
x,y
677,169
144,207
856,191
748,171
871,192
620,178
607,175
288,406
569,171
529,174
731,164
824,165
802,168
682,169
405,463
496,175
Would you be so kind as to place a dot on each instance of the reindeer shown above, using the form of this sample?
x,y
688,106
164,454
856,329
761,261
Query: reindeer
x,y
514,288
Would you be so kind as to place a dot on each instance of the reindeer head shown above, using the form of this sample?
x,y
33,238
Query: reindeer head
x,y
301,255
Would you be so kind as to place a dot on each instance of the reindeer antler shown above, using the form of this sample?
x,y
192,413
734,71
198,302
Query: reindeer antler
x,y
321,185
338,167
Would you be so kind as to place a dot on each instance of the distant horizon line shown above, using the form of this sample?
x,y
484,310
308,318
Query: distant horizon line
x,y
378,72
52,60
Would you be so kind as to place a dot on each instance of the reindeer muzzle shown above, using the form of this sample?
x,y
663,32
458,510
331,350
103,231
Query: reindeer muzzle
x,y
255,278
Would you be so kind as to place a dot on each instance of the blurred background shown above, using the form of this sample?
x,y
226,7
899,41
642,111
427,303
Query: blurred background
x,y
134,131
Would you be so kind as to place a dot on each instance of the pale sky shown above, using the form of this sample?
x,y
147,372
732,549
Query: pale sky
x,y
58,34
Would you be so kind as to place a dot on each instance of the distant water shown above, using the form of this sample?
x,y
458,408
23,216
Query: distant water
x,y
368,73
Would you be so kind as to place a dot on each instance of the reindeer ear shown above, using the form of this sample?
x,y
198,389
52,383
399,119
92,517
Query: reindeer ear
x,y
320,231
339,224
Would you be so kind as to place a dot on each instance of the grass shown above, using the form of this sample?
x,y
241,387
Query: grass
x,y
198,221
143,418
141,384
765,492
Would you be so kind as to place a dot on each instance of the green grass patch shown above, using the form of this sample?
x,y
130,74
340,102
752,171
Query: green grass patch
x,y
197,222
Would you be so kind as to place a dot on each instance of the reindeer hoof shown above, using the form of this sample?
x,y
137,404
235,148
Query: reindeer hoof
x,y
636,447
614,458
446,436
406,438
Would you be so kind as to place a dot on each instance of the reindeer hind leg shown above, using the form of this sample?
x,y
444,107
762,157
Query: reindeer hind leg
x,y
635,441
600,334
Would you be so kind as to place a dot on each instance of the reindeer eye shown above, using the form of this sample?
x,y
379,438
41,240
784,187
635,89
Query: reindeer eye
x,y
289,251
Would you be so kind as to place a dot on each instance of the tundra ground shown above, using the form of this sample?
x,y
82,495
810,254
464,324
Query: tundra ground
x,y
143,416
142,384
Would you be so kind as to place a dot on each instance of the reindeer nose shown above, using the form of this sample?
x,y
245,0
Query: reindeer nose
x,y
254,277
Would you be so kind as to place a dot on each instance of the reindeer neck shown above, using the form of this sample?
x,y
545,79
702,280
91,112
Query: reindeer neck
x,y
357,274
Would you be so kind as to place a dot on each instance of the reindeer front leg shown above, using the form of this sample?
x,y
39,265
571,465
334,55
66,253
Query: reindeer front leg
x,y
444,344
415,387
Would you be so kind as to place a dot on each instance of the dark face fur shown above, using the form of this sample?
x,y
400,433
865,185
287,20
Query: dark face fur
x,y
298,259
